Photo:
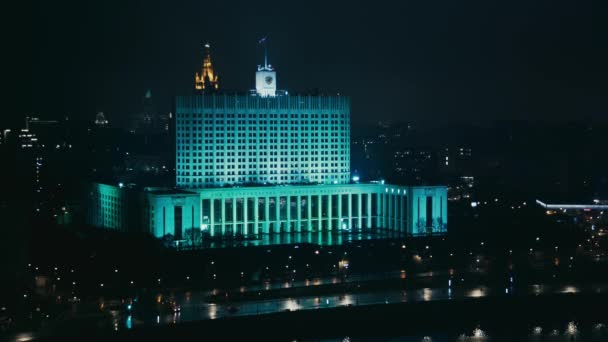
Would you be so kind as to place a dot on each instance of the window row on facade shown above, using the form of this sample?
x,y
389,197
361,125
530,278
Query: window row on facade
x,y
261,116
200,182
260,135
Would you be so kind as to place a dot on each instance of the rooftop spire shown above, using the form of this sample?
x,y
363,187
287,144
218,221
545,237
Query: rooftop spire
x,y
207,79
266,66
265,77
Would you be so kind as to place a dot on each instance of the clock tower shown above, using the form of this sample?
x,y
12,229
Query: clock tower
x,y
265,77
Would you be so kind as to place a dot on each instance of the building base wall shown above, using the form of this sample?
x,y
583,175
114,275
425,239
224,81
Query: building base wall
x,y
251,212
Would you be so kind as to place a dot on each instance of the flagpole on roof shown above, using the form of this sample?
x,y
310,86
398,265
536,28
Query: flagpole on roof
x,y
263,40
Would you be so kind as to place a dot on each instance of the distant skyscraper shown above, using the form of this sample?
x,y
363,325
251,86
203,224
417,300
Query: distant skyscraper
x,y
148,121
149,112
207,80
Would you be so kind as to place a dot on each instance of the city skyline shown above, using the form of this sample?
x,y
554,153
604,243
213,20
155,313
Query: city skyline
x,y
304,171
417,61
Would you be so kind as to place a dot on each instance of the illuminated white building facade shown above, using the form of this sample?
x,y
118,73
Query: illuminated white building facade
x,y
239,139
273,163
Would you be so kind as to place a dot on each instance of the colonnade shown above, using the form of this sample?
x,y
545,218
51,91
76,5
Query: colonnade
x,y
248,212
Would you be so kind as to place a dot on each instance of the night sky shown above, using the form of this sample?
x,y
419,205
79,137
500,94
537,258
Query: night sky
x,y
401,60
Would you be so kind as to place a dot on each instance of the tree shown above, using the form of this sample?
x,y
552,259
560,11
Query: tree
x,y
194,237
421,225
168,240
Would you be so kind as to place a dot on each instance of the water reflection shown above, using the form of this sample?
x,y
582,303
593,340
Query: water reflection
x,y
212,311
477,292
569,289
427,294
476,335
571,328
22,337
537,289
291,305
195,307
129,322
347,300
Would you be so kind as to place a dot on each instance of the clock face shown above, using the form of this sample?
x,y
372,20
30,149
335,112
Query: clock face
x,y
268,79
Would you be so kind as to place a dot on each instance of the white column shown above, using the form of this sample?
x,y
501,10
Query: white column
x,y
277,209
299,213
223,203
444,209
369,210
245,221
211,217
329,213
385,209
395,212
378,210
359,211
267,215
403,204
320,212
350,211
339,211
436,210
256,212
288,214
394,200
309,212
200,214
234,217
390,211
421,213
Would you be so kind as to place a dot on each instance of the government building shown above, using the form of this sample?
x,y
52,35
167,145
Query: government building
x,y
265,162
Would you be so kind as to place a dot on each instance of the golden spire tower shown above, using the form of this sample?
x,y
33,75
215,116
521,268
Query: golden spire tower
x,y
207,79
